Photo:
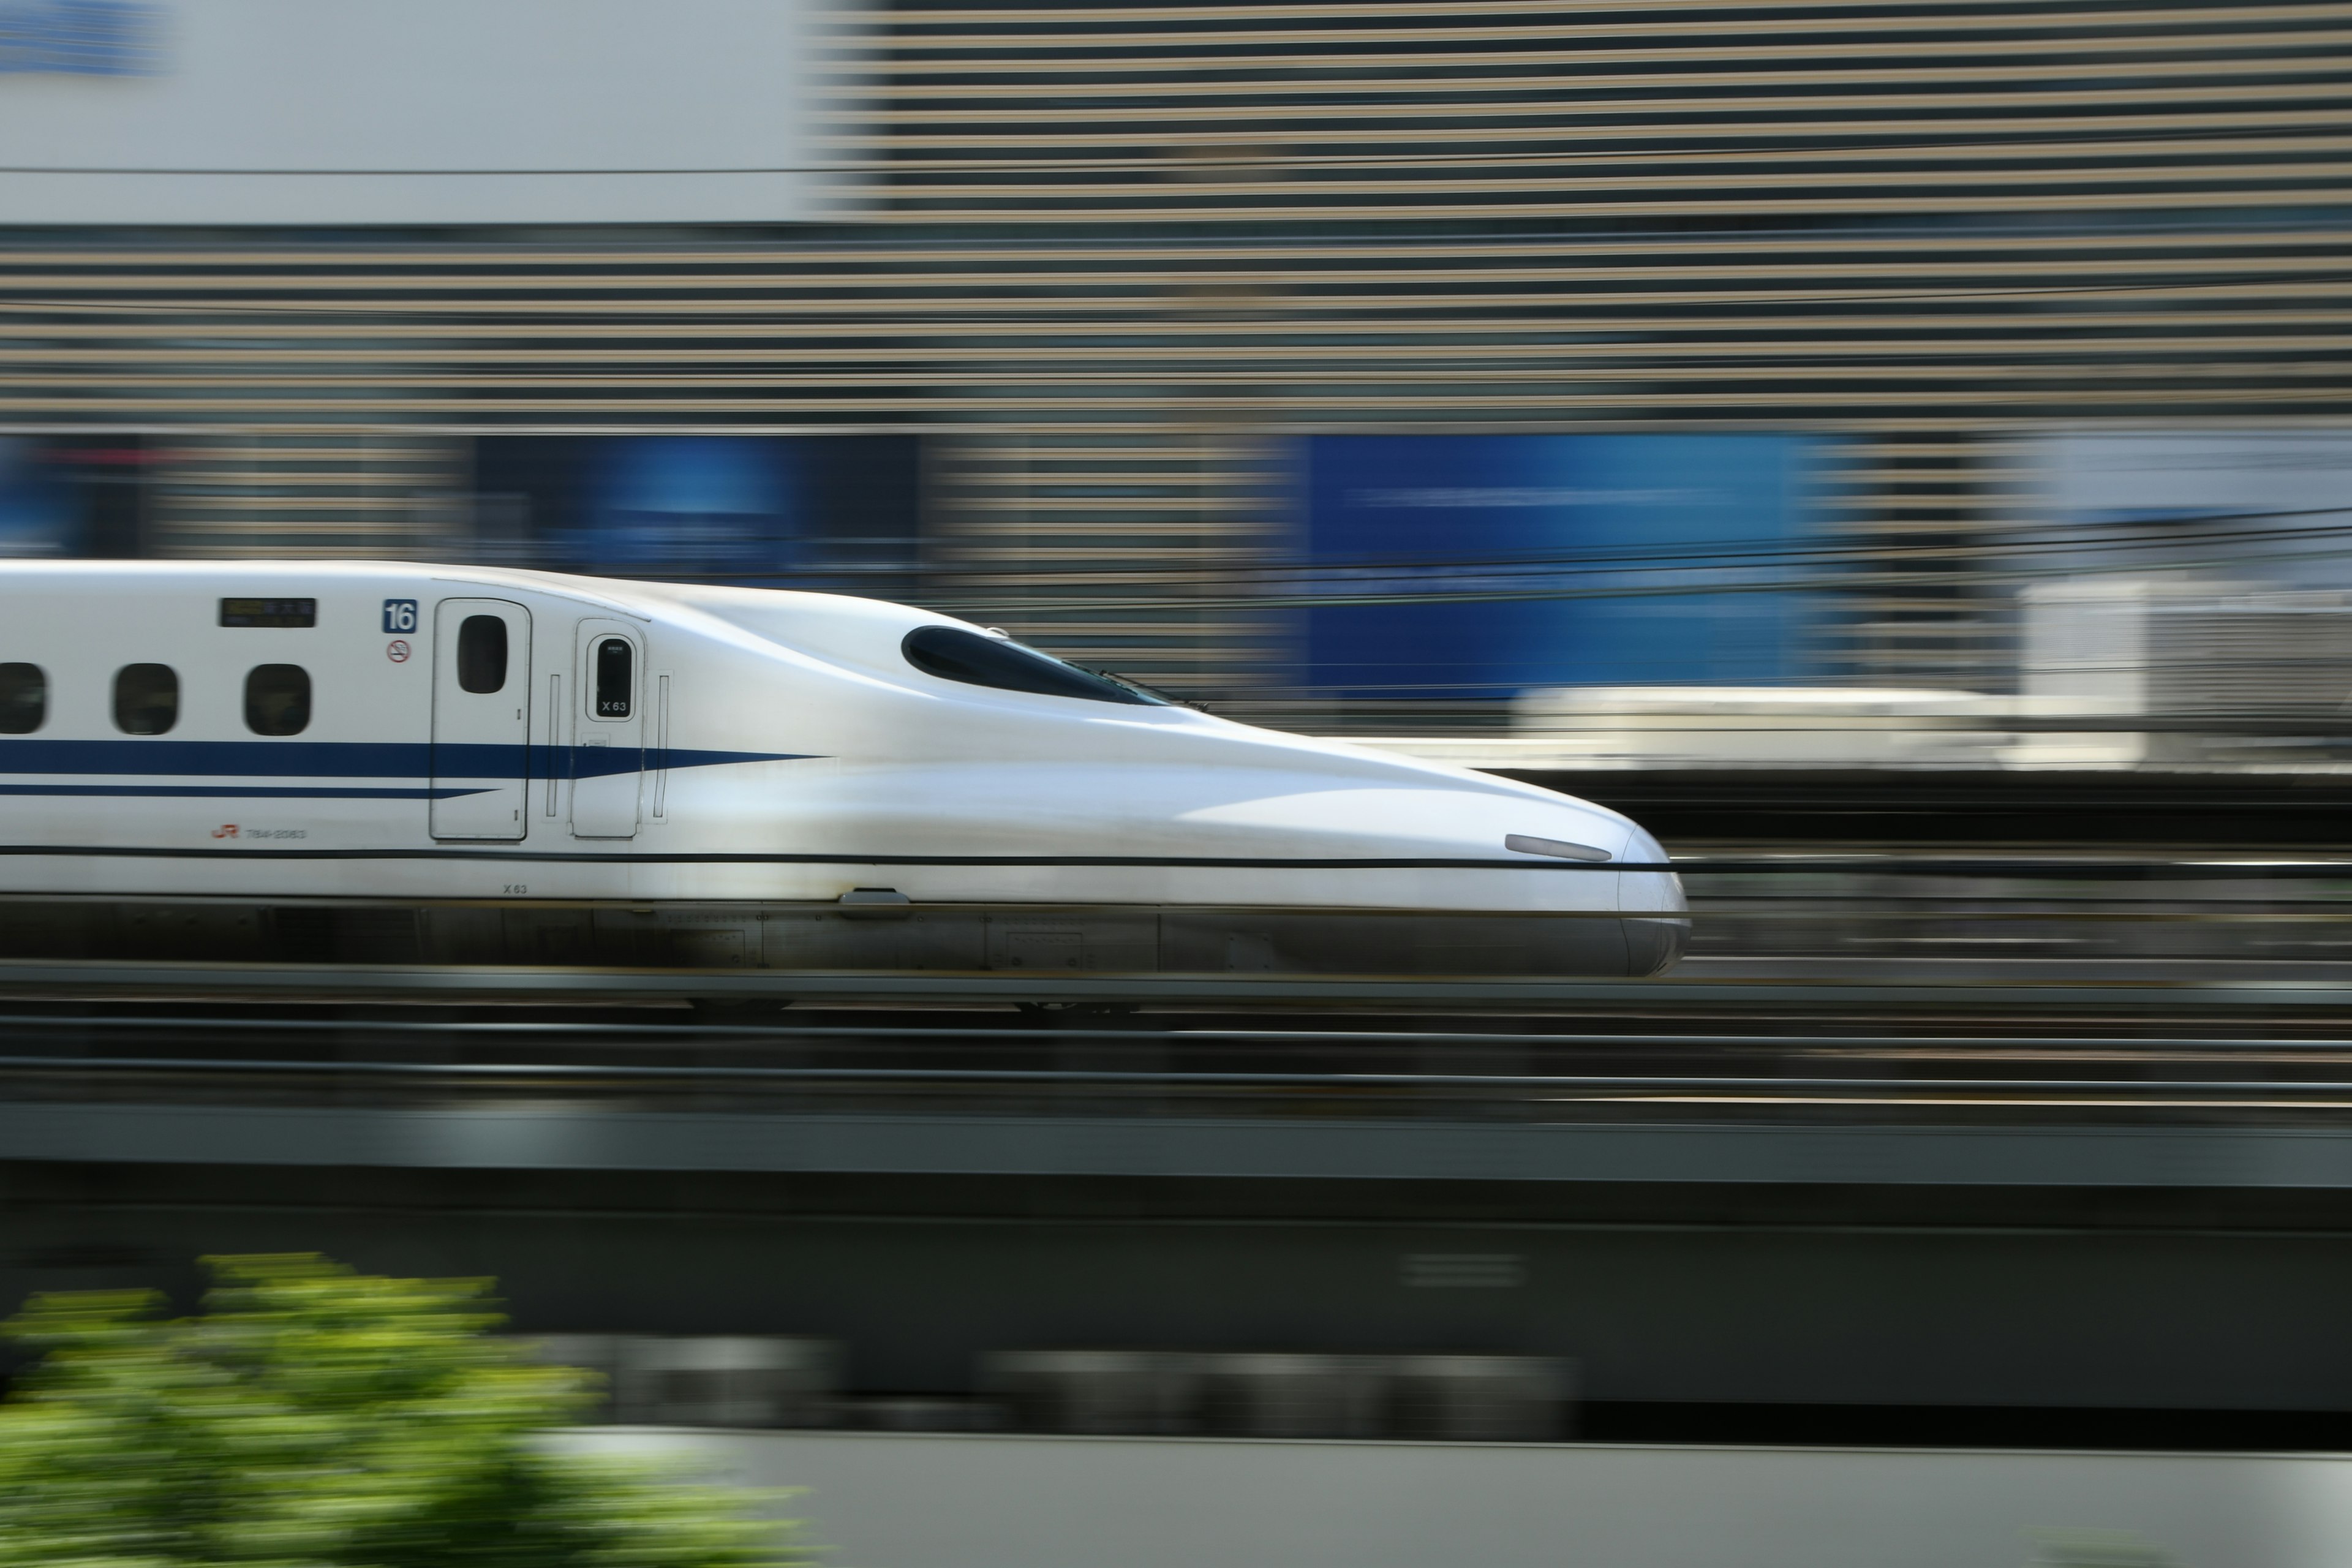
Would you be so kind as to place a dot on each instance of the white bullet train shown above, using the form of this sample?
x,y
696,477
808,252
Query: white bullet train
x,y
395,762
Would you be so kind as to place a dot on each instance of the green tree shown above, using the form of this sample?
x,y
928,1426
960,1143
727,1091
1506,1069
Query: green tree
x,y
313,1418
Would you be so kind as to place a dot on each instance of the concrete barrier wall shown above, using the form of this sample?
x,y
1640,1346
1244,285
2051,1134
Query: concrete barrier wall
x,y
905,1501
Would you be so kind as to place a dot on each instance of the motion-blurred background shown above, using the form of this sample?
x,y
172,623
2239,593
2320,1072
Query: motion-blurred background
x,y
1917,428
1760,382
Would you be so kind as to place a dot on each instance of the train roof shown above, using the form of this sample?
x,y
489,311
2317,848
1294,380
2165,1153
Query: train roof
x,y
847,631
626,595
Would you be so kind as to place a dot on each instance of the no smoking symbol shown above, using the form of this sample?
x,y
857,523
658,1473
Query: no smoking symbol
x,y
397,650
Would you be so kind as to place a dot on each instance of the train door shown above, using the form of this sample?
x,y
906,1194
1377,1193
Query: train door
x,y
482,719
608,759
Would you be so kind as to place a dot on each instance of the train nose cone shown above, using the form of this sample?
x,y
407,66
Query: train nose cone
x,y
1657,920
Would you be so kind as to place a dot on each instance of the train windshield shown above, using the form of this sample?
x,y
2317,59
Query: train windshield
x,y
952,652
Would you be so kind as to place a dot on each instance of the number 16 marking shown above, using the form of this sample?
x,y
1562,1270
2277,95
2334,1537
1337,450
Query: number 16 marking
x,y
399,615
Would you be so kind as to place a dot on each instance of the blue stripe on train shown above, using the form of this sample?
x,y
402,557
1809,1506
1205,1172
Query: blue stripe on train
x,y
353,759
236,792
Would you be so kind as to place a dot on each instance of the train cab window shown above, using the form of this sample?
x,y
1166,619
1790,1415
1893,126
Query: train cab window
x,y
615,678
278,700
146,699
952,652
24,699
481,655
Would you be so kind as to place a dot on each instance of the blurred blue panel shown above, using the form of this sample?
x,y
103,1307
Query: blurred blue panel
x,y
702,505
81,38
37,512
1481,566
835,512
72,496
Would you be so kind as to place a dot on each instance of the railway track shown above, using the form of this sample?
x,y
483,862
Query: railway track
x,y
967,1064
1701,984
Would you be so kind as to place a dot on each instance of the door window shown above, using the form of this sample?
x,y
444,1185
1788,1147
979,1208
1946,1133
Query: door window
x,y
615,678
482,655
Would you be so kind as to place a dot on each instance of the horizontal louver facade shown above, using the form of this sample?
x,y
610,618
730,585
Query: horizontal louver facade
x,y
1115,257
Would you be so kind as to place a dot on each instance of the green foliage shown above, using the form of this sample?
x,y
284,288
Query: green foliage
x,y
317,1418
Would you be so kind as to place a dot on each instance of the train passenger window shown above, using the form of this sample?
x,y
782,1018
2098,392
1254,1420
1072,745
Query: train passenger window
x,y
24,699
481,654
952,652
615,682
278,700
146,699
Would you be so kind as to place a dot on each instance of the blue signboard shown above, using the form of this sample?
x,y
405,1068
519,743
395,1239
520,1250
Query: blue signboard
x,y
807,511
72,496
80,37
1478,566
